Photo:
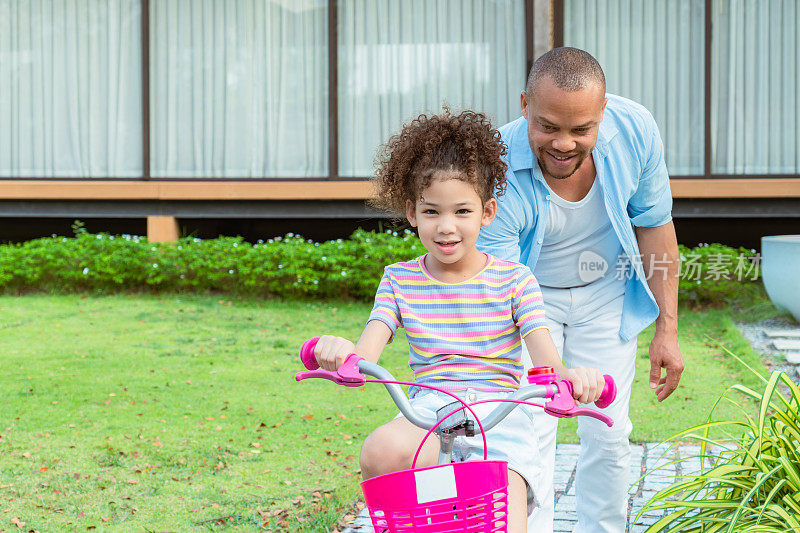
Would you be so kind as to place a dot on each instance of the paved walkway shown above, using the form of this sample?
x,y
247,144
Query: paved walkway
x,y
645,458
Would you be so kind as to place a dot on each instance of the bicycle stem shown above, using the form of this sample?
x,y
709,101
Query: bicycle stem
x,y
400,399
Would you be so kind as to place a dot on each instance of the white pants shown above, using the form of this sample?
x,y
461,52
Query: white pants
x,y
584,323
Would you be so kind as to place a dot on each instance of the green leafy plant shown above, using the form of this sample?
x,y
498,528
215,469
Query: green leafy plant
x,y
753,484
79,227
715,274
288,267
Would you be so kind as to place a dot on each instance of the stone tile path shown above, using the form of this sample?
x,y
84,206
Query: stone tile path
x,y
646,458
779,341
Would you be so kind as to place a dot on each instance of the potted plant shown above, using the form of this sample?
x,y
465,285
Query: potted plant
x,y
780,256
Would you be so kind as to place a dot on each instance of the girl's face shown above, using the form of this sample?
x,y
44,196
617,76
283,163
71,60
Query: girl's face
x,y
449,216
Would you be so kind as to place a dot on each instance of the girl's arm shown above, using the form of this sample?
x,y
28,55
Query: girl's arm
x,y
332,351
542,350
373,340
587,383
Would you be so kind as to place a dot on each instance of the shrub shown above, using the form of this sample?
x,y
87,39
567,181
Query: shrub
x,y
284,267
753,485
715,274
288,266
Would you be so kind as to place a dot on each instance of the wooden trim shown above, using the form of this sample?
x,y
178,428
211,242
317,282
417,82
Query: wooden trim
x,y
184,190
333,90
755,187
558,23
529,59
145,23
162,229
707,90
762,187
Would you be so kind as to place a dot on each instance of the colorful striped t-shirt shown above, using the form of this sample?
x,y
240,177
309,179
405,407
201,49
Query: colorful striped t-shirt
x,y
467,334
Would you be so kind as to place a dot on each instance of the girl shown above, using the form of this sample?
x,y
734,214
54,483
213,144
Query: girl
x,y
464,311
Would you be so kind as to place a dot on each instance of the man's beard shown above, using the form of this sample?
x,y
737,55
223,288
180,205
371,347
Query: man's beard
x,y
581,158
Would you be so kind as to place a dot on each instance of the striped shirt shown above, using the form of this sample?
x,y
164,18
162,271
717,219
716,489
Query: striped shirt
x,y
467,334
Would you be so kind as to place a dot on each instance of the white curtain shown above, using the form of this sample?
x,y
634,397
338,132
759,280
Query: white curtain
x,y
652,53
239,88
70,88
755,106
399,58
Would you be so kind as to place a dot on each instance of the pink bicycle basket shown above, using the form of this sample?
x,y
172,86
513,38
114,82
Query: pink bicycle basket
x,y
467,497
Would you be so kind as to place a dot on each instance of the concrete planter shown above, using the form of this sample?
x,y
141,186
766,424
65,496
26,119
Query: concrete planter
x,y
780,270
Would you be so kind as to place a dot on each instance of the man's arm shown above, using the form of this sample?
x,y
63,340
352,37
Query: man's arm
x,y
660,259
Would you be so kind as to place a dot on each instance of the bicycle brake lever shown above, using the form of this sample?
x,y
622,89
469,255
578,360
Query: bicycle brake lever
x,y
563,405
348,374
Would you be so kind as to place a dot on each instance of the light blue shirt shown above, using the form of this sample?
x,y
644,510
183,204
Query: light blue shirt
x,y
629,158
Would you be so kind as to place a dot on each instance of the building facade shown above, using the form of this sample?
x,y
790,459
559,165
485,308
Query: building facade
x,y
173,110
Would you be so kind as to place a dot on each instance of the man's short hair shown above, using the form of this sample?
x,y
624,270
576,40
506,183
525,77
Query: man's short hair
x,y
571,69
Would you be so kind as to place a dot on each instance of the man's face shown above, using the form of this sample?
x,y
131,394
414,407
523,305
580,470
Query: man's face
x,y
562,125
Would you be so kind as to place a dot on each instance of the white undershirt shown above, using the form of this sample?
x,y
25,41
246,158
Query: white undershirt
x,y
580,245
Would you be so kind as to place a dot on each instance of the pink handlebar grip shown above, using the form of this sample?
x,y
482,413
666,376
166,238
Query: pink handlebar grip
x,y
544,375
609,393
307,353
348,374
563,405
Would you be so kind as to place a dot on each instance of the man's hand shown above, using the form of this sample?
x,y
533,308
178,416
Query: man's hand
x,y
665,353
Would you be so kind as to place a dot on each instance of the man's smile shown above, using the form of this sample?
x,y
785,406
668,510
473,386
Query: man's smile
x,y
561,160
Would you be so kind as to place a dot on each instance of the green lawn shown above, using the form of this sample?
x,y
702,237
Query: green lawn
x,y
182,413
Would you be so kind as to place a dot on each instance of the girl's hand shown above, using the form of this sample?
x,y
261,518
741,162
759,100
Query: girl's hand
x,y
331,351
587,383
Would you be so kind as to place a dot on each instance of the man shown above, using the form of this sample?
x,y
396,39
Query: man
x,y
588,209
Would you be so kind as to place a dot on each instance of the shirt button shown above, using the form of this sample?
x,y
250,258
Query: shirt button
x,y
539,241
547,197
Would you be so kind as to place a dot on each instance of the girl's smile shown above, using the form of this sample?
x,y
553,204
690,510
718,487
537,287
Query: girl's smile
x,y
447,247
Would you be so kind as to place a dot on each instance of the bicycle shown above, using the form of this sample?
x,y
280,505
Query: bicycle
x,y
450,496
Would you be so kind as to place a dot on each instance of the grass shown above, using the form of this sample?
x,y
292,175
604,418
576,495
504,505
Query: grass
x,y
181,412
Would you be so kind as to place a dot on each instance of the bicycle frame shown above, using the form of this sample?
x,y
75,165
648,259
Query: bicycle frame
x,y
453,494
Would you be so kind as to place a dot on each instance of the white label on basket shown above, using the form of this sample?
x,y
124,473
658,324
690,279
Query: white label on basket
x,y
435,484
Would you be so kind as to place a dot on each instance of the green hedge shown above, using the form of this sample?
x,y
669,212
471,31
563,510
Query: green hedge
x,y
288,266
285,266
715,274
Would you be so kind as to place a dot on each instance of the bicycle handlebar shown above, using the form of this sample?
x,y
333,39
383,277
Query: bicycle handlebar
x,y
546,386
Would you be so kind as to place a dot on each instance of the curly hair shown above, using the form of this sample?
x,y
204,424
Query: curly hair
x,y
465,146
